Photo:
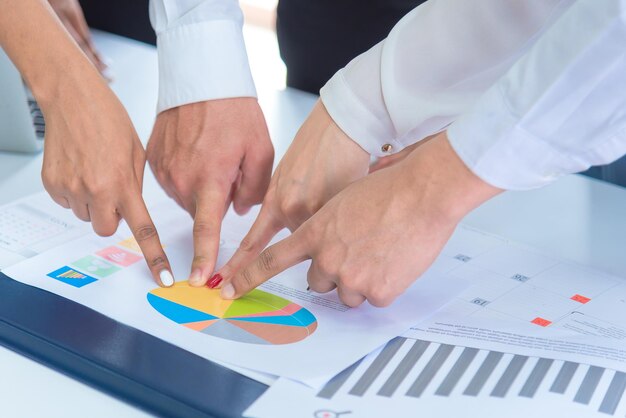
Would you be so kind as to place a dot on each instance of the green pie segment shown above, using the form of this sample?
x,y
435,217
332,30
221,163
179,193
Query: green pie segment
x,y
257,318
256,302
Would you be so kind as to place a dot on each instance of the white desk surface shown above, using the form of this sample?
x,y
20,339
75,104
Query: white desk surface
x,y
576,218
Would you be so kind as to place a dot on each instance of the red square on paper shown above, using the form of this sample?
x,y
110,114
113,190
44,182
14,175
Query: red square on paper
x,y
541,322
118,256
580,298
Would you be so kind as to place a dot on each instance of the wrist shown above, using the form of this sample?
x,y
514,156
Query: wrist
x,y
450,189
75,78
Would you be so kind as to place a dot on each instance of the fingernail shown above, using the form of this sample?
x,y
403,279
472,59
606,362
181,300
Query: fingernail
x,y
228,291
215,281
166,277
196,277
308,288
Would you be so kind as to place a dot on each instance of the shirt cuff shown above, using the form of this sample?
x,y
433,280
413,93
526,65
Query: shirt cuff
x,y
368,126
491,143
202,61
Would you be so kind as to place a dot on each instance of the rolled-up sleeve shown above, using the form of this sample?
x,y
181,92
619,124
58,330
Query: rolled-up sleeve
x,y
202,54
434,65
559,110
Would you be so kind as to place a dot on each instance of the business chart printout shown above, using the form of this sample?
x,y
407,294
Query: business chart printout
x,y
411,377
531,335
33,225
278,329
525,302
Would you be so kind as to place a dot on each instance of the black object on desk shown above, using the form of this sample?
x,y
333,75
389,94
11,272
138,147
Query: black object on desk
x,y
137,367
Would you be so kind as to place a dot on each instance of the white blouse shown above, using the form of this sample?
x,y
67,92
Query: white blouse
x,y
528,90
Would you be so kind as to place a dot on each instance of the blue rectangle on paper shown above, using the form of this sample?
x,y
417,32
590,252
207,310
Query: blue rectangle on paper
x,y
72,277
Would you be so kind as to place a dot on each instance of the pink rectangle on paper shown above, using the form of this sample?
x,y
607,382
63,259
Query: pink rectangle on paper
x,y
118,256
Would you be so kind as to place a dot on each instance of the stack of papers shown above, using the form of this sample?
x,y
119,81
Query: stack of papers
x,y
495,327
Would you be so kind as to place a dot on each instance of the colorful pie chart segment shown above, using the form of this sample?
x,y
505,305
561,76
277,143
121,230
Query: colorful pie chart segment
x,y
257,318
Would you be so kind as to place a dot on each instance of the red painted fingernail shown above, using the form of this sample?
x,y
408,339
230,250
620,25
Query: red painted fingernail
x,y
215,281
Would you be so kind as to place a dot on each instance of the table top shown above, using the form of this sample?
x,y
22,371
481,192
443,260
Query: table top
x,y
576,218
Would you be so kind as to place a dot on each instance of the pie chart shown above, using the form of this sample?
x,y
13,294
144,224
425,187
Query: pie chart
x,y
257,318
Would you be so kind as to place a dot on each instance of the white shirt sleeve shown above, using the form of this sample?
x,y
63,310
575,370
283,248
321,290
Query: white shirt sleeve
x,y
560,109
202,55
434,65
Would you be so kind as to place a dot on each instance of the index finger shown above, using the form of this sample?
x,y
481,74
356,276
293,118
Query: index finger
x,y
272,261
134,211
209,211
265,227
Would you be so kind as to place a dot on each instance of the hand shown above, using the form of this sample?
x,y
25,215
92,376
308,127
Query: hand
x,y
206,155
321,161
94,162
71,15
376,237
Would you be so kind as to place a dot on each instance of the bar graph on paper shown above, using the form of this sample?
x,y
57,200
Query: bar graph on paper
x,y
416,370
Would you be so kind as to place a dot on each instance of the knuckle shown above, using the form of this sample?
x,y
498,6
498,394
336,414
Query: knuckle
x,y
290,206
179,181
246,245
200,259
349,283
203,228
379,298
50,183
267,261
311,207
145,233
104,230
325,264
352,303
246,278
157,262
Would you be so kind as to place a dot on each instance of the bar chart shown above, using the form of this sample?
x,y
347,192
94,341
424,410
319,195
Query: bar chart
x,y
415,370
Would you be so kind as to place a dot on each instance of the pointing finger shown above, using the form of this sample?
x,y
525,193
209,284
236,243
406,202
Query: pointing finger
x,y
272,261
265,227
209,211
134,211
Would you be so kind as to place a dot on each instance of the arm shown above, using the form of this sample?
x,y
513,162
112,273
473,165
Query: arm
x,y
210,145
557,110
435,63
93,160
432,67
202,55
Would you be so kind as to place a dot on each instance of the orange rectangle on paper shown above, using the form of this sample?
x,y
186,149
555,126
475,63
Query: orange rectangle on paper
x,y
541,322
580,298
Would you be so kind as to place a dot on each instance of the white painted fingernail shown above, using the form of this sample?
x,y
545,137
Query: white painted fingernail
x,y
166,277
228,291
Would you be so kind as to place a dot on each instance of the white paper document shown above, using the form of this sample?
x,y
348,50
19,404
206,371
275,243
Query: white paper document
x,y
525,302
279,329
34,224
532,335
411,378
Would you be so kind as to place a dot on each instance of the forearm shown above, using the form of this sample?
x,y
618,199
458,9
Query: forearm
x,y
46,56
